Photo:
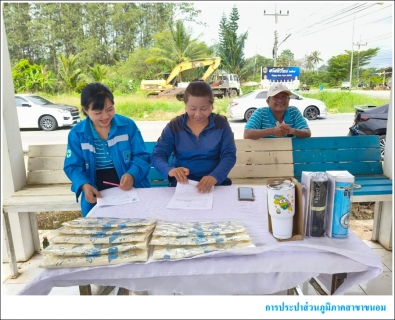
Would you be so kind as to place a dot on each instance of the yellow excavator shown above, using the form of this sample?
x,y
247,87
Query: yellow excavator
x,y
157,86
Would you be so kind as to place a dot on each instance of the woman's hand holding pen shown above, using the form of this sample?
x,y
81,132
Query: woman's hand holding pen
x,y
180,174
91,193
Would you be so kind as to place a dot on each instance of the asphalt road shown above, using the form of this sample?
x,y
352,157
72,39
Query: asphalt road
x,y
333,125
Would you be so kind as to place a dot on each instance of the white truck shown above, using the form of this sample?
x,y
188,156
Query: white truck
x,y
229,87
35,111
223,85
345,85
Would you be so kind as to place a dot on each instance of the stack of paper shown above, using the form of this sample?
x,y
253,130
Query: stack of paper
x,y
176,240
99,241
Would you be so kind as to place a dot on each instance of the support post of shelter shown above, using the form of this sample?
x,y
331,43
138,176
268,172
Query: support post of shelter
x,y
386,215
14,172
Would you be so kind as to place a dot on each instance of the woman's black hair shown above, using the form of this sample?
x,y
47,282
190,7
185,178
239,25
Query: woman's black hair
x,y
94,96
198,88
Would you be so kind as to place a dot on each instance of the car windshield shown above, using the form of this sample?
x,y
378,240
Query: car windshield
x,y
248,94
39,100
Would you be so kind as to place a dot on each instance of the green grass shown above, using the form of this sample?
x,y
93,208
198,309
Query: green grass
x,y
344,102
140,108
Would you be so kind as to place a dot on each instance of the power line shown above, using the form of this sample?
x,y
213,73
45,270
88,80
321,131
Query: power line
x,y
378,39
334,15
376,21
335,24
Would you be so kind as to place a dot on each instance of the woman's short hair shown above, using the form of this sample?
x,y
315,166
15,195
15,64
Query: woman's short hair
x,y
94,95
199,88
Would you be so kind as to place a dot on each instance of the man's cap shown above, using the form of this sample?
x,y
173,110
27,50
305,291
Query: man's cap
x,y
277,88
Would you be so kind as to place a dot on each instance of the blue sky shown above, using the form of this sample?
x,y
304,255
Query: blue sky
x,y
330,27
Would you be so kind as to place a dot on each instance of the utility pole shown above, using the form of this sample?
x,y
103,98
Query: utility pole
x,y
352,52
276,15
359,44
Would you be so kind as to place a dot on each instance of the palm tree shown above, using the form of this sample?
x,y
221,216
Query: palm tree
x,y
309,63
315,57
176,45
68,71
98,72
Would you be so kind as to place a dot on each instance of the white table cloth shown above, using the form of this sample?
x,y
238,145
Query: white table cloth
x,y
270,267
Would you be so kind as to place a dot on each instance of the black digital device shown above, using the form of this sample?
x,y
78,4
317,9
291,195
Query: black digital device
x,y
246,194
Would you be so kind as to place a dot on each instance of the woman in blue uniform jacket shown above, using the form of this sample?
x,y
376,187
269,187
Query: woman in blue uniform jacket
x,y
104,147
200,141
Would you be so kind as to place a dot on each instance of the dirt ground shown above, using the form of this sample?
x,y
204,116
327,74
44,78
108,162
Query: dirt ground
x,y
361,222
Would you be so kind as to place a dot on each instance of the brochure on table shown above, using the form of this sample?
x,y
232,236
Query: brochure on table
x,y
187,196
115,196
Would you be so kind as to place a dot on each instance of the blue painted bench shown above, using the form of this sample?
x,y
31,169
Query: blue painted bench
x,y
260,159
359,155
155,178
48,188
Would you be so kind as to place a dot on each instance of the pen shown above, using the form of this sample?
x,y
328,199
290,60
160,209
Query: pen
x,y
110,183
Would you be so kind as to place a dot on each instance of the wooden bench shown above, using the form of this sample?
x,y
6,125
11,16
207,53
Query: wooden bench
x,y
48,188
258,160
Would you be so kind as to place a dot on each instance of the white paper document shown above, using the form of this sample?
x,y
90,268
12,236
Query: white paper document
x,y
188,197
115,196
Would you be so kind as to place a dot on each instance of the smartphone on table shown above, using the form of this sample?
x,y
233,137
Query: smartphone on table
x,y
246,194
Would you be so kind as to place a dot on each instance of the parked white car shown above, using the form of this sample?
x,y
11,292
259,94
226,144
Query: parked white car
x,y
35,111
243,107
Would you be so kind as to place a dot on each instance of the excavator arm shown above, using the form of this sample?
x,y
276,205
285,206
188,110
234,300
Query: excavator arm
x,y
214,66
162,85
192,64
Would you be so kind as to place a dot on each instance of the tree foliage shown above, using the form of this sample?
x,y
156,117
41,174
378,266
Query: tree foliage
x,y
339,66
175,46
68,71
286,59
231,46
52,45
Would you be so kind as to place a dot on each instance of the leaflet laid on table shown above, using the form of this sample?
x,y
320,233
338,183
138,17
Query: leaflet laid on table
x,y
188,197
115,196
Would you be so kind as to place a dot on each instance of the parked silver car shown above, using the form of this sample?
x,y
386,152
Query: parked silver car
x,y
35,111
243,107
